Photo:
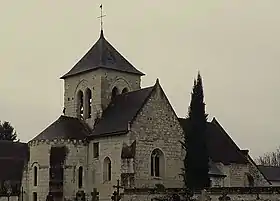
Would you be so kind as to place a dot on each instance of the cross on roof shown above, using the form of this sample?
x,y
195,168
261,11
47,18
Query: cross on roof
x,y
101,16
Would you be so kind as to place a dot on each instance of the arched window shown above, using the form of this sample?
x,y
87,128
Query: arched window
x,y
157,163
80,177
80,104
125,90
35,176
115,92
88,98
107,169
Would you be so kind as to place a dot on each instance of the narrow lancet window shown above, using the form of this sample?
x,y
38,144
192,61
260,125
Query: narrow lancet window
x,y
157,163
80,177
35,176
80,104
107,169
88,97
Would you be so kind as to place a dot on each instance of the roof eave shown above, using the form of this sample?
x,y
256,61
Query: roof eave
x,y
67,75
217,175
107,134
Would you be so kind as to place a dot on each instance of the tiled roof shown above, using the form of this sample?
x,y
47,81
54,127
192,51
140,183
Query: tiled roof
x,y
121,111
102,55
271,173
220,145
64,128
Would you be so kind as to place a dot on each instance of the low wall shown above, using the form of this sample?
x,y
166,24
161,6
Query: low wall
x,y
234,193
12,198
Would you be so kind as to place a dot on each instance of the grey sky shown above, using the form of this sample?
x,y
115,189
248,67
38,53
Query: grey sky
x,y
235,44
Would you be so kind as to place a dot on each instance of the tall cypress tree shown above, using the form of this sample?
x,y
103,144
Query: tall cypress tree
x,y
197,157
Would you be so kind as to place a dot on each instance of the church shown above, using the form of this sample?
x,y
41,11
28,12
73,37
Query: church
x,y
113,130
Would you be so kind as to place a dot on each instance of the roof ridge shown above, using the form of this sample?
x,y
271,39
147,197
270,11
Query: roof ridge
x,y
134,91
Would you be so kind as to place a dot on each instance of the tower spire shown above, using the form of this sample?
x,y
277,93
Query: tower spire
x,y
101,18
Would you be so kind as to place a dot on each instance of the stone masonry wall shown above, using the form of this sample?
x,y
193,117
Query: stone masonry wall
x,y
157,126
76,157
100,82
12,198
111,79
214,197
72,85
39,156
259,179
237,195
237,174
111,147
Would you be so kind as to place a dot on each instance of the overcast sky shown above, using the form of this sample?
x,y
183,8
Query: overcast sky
x,y
234,43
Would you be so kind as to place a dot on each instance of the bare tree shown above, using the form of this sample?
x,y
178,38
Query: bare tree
x,y
270,158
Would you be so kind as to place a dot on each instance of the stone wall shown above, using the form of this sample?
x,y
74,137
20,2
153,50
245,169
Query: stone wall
x,y
237,174
120,80
110,146
39,157
12,198
157,126
76,157
238,194
259,179
100,82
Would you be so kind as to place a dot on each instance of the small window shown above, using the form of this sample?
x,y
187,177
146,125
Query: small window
x,y
88,97
35,176
80,177
96,150
107,169
157,163
35,196
80,104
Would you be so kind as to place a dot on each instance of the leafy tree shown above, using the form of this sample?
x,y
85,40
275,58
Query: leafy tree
x,y
7,132
196,161
270,158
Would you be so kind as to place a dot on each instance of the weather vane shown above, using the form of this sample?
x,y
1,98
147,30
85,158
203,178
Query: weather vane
x,y
101,17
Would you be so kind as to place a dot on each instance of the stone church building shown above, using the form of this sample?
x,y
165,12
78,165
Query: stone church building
x,y
112,129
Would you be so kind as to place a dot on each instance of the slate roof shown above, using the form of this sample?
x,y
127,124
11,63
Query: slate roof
x,y
102,55
121,111
271,173
220,145
65,128
13,157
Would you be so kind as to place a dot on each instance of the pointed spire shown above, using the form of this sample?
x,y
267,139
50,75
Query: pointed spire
x,y
101,34
157,82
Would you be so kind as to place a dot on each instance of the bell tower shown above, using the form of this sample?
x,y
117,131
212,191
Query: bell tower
x,y
100,75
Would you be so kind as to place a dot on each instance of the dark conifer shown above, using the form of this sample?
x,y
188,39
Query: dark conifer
x,y
7,132
197,158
